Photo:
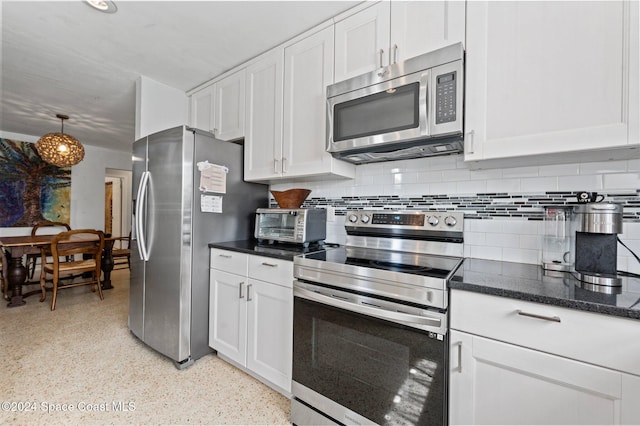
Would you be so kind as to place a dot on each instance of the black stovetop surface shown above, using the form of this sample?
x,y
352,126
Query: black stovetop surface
x,y
387,260
275,250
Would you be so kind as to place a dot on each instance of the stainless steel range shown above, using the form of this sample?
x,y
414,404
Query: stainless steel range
x,y
370,321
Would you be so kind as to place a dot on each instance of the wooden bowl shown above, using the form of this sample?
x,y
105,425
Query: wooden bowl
x,y
291,198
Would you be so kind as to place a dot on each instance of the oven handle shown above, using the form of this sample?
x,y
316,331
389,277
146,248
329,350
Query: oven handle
x,y
377,312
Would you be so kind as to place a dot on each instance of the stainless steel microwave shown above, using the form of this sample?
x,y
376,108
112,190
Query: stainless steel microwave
x,y
406,110
297,226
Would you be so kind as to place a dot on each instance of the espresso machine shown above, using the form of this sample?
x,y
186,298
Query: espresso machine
x,y
594,252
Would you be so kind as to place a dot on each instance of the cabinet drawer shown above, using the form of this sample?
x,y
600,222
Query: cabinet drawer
x,y
595,338
271,270
229,261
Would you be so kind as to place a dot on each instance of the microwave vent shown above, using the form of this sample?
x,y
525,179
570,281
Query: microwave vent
x,y
417,151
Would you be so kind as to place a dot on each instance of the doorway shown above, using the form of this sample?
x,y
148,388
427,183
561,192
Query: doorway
x,y
117,203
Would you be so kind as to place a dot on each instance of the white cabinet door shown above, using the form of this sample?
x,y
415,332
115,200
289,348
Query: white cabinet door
x,y
228,315
422,26
497,383
549,77
202,105
270,331
362,42
393,31
630,397
229,106
263,139
308,72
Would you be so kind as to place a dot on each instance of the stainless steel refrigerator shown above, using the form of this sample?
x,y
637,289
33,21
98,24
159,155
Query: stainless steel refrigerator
x,y
169,294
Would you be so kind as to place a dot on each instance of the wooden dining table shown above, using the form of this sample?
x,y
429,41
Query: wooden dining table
x,y
16,247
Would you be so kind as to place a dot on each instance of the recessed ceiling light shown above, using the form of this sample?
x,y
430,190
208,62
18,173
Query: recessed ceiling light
x,y
103,5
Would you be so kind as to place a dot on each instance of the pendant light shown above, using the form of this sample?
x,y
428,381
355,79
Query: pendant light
x,y
60,149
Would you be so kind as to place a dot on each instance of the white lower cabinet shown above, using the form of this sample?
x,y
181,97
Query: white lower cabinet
x,y
492,382
269,331
251,314
228,315
498,382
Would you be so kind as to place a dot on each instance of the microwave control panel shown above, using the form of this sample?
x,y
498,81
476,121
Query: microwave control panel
x,y
446,97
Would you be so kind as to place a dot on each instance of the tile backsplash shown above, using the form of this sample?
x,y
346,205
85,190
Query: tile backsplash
x,y
503,207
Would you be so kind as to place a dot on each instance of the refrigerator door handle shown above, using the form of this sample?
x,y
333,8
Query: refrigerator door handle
x,y
140,205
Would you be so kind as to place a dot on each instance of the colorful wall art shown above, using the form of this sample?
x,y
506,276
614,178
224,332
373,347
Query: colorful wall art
x,y
31,190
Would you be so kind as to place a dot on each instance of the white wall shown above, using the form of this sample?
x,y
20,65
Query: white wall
x,y
158,107
87,184
508,239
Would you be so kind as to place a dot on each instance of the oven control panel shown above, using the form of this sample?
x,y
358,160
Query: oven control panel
x,y
434,221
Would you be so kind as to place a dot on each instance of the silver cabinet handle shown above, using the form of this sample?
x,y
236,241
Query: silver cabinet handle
x,y
273,265
381,55
469,140
459,367
275,165
395,53
536,316
226,256
284,165
240,290
248,294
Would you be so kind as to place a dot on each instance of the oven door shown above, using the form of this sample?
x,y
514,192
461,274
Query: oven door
x,y
278,226
360,360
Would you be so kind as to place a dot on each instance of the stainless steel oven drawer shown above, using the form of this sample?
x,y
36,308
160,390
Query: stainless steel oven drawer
x,y
303,415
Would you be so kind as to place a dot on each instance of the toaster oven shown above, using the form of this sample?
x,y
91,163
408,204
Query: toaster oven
x,y
297,226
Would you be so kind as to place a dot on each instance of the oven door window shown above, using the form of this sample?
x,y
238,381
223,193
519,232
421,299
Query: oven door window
x,y
386,372
384,112
276,225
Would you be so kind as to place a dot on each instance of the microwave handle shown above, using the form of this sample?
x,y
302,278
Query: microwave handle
x,y
423,106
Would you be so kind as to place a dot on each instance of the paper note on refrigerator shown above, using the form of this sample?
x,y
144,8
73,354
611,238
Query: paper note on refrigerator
x,y
213,177
210,203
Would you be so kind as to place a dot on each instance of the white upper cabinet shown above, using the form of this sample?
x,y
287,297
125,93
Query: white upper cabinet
x,y
550,78
201,113
392,31
229,107
286,130
263,141
219,108
361,41
422,26
307,73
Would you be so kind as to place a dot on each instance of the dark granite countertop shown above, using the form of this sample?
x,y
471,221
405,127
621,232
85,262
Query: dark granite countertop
x,y
530,283
275,250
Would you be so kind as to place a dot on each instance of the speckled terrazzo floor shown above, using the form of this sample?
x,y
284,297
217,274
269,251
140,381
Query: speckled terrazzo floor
x,y
82,355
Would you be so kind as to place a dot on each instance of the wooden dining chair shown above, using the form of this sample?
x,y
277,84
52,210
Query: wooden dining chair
x,y
4,281
122,256
87,244
43,228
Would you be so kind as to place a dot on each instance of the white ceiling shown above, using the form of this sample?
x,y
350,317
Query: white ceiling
x,y
66,57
